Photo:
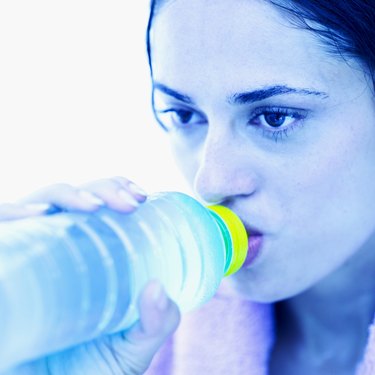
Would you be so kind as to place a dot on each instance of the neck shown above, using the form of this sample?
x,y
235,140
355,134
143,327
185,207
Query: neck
x,y
332,318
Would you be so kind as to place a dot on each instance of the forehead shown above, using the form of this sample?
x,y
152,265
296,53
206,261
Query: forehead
x,y
238,38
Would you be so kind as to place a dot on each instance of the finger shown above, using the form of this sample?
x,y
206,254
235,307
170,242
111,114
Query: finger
x,y
154,307
139,194
10,211
116,193
159,318
66,197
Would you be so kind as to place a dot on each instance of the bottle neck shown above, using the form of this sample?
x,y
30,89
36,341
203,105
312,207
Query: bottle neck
x,y
234,235
225,233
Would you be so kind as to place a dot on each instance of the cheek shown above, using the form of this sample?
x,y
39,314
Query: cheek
x,y
330,199
331,179
335,187
327,199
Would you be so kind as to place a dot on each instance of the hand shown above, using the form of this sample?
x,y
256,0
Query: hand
x,y
128,352
117,193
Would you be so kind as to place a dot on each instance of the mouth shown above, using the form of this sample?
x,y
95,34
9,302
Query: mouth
x,y
254,246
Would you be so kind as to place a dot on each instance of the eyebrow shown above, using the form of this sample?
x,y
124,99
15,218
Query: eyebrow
x,y
268,92
173,93
248,96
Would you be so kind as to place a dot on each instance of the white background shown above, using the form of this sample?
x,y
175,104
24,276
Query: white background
x,y
75,97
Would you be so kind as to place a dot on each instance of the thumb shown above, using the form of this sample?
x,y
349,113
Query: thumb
x,y
159,318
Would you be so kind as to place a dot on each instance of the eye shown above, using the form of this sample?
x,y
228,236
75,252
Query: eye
x,y
277,118
182,116
179,118
276,122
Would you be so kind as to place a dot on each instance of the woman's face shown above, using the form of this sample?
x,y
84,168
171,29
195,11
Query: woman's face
x,y
264,120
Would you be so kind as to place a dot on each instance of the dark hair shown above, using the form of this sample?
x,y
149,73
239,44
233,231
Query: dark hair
x,y
154,7
347,27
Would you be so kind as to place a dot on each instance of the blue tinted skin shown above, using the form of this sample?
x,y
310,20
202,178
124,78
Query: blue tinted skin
x,y
263,119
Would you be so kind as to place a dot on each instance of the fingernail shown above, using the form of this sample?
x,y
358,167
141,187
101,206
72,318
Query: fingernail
x,y
136,189
91,198
38,207
127,198
159,296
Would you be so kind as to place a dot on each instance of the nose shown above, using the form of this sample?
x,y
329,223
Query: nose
x,y
225,169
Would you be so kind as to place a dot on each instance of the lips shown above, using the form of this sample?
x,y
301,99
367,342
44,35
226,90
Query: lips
x,y
254,247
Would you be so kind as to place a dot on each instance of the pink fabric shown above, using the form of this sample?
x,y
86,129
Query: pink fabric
x,y
227,335
367,367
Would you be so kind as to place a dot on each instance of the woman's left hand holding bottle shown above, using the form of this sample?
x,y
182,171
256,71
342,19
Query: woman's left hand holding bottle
x,y
124,353
117,193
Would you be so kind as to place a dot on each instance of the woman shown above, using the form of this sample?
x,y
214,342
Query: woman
x,y
270,110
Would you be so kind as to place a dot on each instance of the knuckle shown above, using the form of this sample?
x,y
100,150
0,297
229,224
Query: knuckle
x,y
53,191
102,184
132,359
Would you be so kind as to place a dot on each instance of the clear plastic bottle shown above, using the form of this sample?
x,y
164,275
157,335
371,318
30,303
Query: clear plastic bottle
x,y
70,277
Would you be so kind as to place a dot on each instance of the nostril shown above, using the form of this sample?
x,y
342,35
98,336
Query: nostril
x,y
219,189
209,194
224,172
207,199
211,185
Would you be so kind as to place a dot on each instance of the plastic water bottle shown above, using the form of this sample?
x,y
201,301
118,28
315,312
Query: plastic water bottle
x,y
70,277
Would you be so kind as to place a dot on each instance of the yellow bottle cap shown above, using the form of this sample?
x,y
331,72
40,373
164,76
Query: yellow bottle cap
x,y
238,242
